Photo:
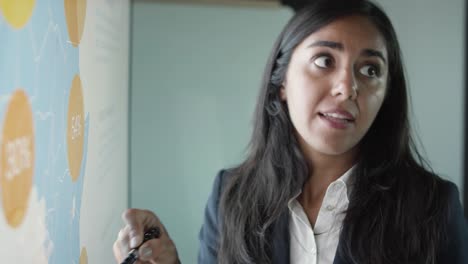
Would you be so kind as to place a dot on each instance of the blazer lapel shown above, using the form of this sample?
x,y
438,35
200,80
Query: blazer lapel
x,y
281,240
339,258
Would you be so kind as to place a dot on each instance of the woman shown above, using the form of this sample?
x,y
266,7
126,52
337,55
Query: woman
x,y
332,175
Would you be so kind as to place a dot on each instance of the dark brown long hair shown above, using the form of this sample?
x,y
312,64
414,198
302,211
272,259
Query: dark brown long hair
x,y
395,206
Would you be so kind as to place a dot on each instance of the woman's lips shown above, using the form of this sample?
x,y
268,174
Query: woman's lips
x,y
338,120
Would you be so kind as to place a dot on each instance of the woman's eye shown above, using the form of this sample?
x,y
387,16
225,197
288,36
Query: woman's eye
x,y
370,71
323,62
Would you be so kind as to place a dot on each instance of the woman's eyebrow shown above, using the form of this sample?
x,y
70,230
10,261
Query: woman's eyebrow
x,y
327,43
374,53
339,46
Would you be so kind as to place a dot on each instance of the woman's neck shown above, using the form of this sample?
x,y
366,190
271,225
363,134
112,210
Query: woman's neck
x,y
323,170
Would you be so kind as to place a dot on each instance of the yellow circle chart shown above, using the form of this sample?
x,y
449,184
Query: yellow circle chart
x,y
17,158
84,256
75,128
75,13
18,12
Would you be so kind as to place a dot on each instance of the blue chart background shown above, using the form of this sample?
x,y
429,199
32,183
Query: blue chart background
x,y
39,59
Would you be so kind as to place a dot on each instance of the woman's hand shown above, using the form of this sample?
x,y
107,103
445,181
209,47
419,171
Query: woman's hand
x,y
161,250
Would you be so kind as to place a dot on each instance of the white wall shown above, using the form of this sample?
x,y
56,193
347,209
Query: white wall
x,y
431,34
195,77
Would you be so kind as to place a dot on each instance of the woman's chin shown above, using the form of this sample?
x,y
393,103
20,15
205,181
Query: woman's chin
x,y
335,149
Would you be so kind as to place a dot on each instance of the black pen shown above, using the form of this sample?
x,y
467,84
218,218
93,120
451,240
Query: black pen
x,y
133,254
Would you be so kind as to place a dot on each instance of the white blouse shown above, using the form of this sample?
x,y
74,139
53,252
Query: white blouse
x,y
318,244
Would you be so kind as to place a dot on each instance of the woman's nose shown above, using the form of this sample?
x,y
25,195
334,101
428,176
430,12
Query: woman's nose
x,y
345,86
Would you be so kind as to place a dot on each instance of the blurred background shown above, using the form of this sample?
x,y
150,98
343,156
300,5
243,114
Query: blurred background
x,y
110,104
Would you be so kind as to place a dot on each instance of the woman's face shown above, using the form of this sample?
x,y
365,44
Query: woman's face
x,y
335,85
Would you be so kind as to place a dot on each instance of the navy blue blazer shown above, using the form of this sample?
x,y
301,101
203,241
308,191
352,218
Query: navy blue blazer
x,y
456,252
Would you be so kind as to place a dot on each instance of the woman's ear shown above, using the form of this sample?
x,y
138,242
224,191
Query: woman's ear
x,y
282,92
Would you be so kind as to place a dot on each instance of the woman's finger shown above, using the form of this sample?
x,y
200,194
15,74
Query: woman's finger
x,y
151,250
139,221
